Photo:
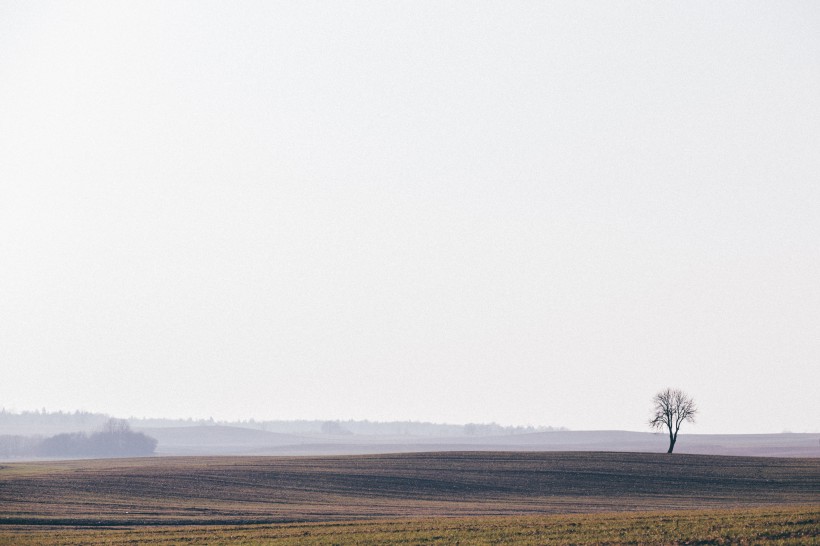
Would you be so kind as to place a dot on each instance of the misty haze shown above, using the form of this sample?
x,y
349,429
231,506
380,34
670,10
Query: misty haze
x,y
362,265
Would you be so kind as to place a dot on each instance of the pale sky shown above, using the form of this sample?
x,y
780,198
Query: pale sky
x,y
517,211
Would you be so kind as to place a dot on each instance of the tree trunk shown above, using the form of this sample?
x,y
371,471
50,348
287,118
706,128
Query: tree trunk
x,y
671,444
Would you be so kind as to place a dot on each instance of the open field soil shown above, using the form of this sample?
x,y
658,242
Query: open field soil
x,y
251,490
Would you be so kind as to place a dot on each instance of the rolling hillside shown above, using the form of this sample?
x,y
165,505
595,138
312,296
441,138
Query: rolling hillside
x,y
222,490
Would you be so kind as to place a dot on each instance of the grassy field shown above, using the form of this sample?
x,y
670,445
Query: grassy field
x,y
793,525
412,498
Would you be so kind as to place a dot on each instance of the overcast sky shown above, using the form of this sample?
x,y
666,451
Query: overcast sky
x,y
517,211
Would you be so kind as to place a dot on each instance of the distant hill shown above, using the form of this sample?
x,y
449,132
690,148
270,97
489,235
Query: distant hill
x,y
224,440
219,440
208,437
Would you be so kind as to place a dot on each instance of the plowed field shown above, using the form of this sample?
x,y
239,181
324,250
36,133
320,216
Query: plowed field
x,y
244,490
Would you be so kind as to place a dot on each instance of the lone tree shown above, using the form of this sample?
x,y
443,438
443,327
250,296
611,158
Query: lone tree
x,y
672,407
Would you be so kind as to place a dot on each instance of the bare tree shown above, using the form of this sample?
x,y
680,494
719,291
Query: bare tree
x,y
672,408
117,427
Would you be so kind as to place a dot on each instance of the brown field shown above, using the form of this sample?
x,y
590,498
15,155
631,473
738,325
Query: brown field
x,y
184,497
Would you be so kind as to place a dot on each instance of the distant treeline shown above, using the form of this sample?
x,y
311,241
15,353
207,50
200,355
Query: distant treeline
x,y
43,422
337,427
114,439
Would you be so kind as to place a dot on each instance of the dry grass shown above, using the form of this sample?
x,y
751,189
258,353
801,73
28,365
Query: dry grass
x,y
794,525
